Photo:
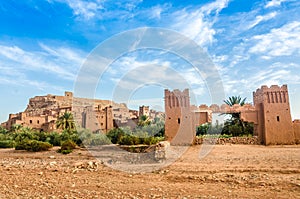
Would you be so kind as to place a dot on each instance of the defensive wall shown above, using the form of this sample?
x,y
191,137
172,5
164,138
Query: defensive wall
x,y
270,114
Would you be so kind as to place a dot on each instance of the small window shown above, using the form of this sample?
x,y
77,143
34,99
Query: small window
x,y
30,121
278,119
38,121
178,120
101,124
169,118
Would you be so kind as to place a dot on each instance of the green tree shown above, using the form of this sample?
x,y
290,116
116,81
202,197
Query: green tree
x,y
3,130
144,121
16,128
66,122
235,119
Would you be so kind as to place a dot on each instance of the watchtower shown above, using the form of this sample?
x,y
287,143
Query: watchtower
x,y
274,115
178,118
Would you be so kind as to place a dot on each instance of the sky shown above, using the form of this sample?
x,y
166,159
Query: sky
x,y
44,45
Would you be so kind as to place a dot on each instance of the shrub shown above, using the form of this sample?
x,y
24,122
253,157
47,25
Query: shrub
x,y
65,151
6,144
126,140
67,147
152,140
33,145
22,145
115,135
98,139
39,146
54,139
202,129
68,144
3,130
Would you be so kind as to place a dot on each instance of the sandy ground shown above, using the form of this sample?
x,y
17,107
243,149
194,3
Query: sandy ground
x,y
228,171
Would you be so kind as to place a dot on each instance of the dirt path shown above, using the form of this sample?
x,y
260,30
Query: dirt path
x,y
229,171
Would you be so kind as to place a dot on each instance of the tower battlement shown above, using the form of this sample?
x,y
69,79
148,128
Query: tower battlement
x,y
177,98
273,94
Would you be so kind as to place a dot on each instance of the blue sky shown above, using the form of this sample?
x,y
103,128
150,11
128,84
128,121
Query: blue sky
x,y
43,44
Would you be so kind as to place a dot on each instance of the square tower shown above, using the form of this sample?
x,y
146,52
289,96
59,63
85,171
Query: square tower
x,y
144,110
178,119
274,115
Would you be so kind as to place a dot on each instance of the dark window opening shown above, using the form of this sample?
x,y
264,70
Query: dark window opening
x,y
178,120
38,121
169,118
101,124
30,121
278,119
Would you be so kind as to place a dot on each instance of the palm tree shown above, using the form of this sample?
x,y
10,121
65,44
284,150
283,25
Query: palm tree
x,y
144,121
236,117
66,122
235,100
15,128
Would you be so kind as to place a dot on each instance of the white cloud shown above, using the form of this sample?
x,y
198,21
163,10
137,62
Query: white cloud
x,y
62,62
282,41
10,76
261,18
274,3
83,9
156,11
132,73
198,24
216,6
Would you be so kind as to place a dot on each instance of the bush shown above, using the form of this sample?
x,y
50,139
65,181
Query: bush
x,y
24,135
6,144
65,151
68,144
3,130
33,145
202,129
115,135
67,147
54,139
22,145
39,146
126,140
152,140
97,139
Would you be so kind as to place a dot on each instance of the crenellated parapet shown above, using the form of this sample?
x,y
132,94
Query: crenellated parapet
x,y
224,108
177,98
273,94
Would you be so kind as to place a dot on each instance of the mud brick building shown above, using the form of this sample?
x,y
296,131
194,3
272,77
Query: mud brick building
x,y
270,115
42,113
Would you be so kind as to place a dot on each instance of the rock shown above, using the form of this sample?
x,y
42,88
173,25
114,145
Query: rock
x,y
53,163
52,157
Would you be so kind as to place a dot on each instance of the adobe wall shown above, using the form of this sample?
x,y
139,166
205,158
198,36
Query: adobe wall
x,y
296,127
274,117
178,118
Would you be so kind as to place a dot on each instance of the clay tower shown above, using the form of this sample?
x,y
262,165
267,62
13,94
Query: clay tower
x,y
274,116
178,125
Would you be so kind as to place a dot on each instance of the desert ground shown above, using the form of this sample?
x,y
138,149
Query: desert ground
x,y
228,171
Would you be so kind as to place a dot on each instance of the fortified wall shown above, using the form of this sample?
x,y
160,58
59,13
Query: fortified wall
x,y
270,115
